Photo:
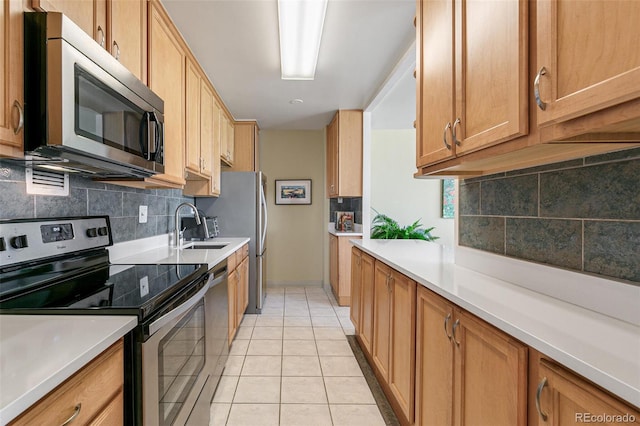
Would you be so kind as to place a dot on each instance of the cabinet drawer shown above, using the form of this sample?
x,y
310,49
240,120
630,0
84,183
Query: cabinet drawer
x,y
232,261
113,413
245,251
93,388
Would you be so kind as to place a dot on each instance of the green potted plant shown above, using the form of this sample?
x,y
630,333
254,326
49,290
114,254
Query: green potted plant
x,y
385,228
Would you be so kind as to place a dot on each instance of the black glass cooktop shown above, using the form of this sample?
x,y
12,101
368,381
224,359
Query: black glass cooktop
x,y
101,288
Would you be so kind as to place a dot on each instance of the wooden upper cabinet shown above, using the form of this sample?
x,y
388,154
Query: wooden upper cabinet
x,y
344,154
119,26
11,77
214,183
491,73
589,52
246,147
206,127
128,34
167,79
435,78
90,16
472,76
226,139
192,104
563,398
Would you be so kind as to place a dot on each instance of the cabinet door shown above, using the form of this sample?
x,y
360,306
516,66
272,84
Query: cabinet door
x,y
434,360
584,72
231,141
491,73
206,127
355,312
224,137
166,78
368,282
490,375
402,342
332,158
333,263
129,35
348,178
382,319
81,12
566,399
215,151
435,95
232,284
11,97
245,144
192,105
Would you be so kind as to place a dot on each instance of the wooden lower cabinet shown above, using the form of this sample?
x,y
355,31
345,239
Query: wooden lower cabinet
x,y
367,275
562,398
394,336
340,267
95,393
355,311
238,287
467,371
434,360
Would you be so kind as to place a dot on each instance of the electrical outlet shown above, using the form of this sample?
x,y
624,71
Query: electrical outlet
x,y
142,214
144,286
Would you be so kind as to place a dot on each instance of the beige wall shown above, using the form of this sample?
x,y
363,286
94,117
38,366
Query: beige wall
x,y
396,193
296,234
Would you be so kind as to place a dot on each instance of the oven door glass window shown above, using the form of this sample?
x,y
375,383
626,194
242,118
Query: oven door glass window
x,y
181,357
105,116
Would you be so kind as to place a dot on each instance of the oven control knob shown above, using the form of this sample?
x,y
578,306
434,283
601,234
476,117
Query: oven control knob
x,y
103,231
92,233
19,242
3,246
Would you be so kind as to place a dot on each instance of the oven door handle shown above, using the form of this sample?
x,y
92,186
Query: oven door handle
x,y
178,311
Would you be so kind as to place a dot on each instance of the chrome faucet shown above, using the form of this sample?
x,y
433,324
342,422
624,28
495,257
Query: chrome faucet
x,y
178,235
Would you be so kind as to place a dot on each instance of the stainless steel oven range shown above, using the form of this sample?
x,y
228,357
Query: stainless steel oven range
x,y
173,358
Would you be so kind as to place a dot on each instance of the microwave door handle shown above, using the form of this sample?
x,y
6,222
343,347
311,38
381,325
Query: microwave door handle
x,y
145,125
152,136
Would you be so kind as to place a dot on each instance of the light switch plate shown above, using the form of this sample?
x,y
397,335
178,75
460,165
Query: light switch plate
x,y
142,214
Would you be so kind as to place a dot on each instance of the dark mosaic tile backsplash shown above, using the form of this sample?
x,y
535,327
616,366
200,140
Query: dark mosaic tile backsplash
x,y
580,214
87,197
348,205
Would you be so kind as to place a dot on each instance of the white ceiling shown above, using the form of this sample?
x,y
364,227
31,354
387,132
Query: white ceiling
x,y
236,42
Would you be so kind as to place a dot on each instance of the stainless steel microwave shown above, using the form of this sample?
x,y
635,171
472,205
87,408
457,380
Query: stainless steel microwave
x,y
84,111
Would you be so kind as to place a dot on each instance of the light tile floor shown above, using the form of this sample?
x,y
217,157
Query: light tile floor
x,y
292,366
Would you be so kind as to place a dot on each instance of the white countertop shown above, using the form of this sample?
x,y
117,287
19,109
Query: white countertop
x,y
141,251
601,348
39,352
357,230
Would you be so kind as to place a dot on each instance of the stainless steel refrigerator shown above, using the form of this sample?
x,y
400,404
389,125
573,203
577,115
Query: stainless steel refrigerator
x,y
241,210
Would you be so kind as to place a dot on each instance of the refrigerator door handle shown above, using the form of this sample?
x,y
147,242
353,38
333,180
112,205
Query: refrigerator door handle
x,y
265,220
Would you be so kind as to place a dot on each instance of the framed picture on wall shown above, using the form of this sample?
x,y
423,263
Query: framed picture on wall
x,y
293,192
448,198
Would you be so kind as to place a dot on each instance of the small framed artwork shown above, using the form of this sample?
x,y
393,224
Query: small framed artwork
x,y
448,198
293,192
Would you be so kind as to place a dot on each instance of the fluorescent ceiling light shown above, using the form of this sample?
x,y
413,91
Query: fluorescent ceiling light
x,y
300,23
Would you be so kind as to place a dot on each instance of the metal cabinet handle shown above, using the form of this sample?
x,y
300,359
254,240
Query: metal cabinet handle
x,y
446,326
541,386
453,131
75,414
117,48
444,136
100,32
536,89
20,125
453,331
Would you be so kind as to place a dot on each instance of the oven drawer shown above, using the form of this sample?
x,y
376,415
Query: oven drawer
x,y
96,388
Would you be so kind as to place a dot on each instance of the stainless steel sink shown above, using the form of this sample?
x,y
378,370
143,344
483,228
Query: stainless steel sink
x,y
206,247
